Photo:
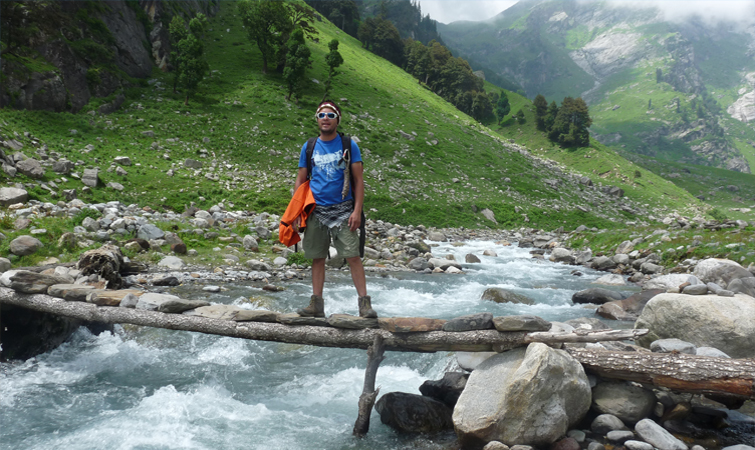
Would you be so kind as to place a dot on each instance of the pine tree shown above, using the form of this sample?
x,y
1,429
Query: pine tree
x,y
333,59
297,62
188,59
502,107
541,111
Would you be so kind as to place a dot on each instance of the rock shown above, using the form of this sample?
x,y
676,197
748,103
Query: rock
x,y
611,280
149,232
222,312
129,301
637,445
587,323
628,402
480,321
28,282
670,281
436,236
443,264
11,196
567,443
295,319
650,268
103,297
70,292
562,255
495,445
410,324
619,436
521,323
720,271
605,423
471,259
180,305
712,352
654,434
489,252
122,160
4,264
259,266
351,322
250,243
171,262
63,167
603,263
25,245
165,280
178,248
470,360
246,315
500,295
527,396
91,177
724,323
31,168
673,346
743,285
596,296
628,308
446,390
419,264
413,413
695,289
625,248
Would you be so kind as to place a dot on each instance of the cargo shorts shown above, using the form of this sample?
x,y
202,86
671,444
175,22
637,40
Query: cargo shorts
x,y
317,238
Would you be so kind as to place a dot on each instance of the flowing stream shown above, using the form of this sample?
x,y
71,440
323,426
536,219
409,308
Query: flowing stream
x,y
144,388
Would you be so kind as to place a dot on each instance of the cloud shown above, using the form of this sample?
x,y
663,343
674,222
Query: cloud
x,y
447,11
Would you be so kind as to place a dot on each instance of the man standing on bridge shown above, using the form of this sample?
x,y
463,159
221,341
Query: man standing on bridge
x,y
332,163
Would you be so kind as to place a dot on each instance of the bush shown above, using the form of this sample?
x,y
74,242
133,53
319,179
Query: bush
x,y
299,259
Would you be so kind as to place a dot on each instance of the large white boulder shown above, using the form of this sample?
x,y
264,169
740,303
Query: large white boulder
x,y
725,323
524,396
720,271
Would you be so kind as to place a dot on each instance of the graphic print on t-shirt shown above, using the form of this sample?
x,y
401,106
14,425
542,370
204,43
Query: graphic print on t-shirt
x,y
329,164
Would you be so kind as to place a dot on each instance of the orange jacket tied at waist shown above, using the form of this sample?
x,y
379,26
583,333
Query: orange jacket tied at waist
x,y
301,205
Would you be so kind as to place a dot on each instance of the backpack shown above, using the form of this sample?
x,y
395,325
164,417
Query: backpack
x,y
346,142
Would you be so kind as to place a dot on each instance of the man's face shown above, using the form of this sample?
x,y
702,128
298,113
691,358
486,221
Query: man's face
x,y
327,125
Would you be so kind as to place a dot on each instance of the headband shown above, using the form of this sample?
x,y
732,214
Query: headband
x,y
331,106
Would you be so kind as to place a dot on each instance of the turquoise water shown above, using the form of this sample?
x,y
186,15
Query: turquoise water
x,y
144,388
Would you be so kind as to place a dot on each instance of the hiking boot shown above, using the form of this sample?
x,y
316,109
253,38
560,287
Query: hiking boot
x,y
365,308
316,307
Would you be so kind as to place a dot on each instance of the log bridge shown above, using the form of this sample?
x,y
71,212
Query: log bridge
x,y
676,371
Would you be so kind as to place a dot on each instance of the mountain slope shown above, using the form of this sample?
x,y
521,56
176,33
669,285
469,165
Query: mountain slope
x,y
425,162
678,91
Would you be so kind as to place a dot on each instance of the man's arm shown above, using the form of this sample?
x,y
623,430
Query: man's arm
x,y
355,219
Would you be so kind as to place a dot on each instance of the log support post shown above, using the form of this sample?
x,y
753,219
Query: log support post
x,y
369,394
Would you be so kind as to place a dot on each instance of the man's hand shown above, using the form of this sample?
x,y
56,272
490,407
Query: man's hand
x,y
296,224
355,219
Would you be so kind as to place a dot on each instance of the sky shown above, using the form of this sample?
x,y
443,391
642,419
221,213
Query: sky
x,y
447,11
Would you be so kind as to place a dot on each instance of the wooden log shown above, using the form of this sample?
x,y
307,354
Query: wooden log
x,y
676,371
431,341
106,262
369,393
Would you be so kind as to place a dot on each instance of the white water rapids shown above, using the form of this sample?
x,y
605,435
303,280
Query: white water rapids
x,y
144,388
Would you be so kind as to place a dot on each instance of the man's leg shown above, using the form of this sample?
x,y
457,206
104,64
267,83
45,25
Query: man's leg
x,y
357,275
318,276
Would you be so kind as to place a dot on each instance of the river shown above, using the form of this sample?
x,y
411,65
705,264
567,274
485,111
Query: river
x,y
144,388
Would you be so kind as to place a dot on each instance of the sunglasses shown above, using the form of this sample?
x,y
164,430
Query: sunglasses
x,y
330,115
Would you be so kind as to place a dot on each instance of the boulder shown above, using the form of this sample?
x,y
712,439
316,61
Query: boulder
x,y
611,280
724,323
171,262
25,245
596,296
443,264
446,390
521,323
720,271
413,413
562,255
670,281
10,196
436,236
91,177
500,295
673,345
603,263
410,324
529,396
31,168
628,402
471,258
149,232
605,423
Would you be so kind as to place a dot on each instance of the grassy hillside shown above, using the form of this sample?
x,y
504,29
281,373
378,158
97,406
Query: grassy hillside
x,y
248,138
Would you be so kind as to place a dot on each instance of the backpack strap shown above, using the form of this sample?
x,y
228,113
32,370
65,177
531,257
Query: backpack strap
x,y
310,150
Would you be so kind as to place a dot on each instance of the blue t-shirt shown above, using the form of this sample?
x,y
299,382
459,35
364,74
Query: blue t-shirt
x,y
326,180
